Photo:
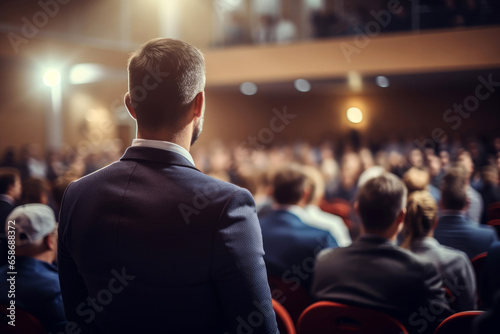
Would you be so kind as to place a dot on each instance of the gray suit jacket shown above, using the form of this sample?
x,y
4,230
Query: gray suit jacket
x,y
375,273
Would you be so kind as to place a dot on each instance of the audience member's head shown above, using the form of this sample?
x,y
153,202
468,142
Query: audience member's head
x,y
289,185
60,185
369,174
416,179
36,231
10,183
420,218
166,87
489,175
416,158
465,159
35,190
453,188
381,205
316,184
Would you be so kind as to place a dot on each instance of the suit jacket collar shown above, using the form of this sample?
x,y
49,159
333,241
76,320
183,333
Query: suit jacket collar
x,y
452,220
139,153
374,240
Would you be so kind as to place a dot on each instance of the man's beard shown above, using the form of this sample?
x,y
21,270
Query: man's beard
x,y
197,130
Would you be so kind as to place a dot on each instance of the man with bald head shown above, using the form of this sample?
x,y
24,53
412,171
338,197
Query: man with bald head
x,y
149,244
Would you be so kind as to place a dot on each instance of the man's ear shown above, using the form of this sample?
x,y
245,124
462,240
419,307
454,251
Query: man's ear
x,y
356,208
128,105
401,219
50,241
198,104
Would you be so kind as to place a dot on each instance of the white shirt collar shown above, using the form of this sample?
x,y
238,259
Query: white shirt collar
x,y
163,145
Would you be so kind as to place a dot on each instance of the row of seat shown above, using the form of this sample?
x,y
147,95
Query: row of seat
x,y
326,317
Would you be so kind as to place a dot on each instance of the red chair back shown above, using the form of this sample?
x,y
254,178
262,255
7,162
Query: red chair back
x,y
339,207
285,322
493,211
293,300
25,323
496,225
329,317
458,323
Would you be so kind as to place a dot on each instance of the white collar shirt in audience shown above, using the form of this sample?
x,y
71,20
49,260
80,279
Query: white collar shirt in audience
x,y
163,145
326,222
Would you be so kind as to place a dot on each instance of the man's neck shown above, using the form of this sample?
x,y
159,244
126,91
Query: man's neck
x,y
179,138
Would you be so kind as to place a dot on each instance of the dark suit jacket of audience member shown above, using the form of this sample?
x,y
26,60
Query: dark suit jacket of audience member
x,y
375,273
5,209
457,232
490,277
166,249
291,247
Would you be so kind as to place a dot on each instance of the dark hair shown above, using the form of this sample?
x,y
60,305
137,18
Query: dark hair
x,y
34,188
165,75
289,184
421,213
8,177
380,200
453,187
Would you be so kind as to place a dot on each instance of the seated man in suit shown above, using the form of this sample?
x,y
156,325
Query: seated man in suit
x,y
290,245
149,244
373,272
34,232
453,228
10,192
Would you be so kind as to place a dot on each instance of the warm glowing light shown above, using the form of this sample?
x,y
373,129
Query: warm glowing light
x,y
302,85
248,88
52,78
354,115
85,73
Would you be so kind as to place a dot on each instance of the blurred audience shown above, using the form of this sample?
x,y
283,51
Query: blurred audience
x,y
37,283
10,193
454,266
35,190
454,228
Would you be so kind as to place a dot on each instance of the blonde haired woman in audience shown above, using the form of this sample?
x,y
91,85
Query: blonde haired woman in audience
x,y
453,265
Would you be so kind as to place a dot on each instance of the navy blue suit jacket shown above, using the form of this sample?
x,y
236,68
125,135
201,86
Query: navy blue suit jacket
x,y
291,247
149,244
457,232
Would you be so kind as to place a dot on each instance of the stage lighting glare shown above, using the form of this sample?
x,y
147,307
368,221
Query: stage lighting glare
x,y
354,115
382,81
52,78
302,85
85,73
248,88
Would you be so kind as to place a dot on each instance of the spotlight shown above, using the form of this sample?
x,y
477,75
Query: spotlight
x,y
248,88
52,78
302,85
382,81
354,115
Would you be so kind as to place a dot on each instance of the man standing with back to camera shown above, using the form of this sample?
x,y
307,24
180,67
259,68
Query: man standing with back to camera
x,y
149,244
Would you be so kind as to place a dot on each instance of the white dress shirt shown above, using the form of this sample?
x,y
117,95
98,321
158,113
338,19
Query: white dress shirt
x,y
164,145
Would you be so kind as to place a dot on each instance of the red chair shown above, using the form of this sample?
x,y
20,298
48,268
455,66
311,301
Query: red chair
x,y
458,323
285,322
477,264
496,225
328,317
25,323
339,207
293,300
493,211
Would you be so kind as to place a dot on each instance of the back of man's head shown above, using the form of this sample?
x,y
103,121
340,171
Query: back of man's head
x,y
8,178
416,179
164,75
380,200
453,188
289,185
